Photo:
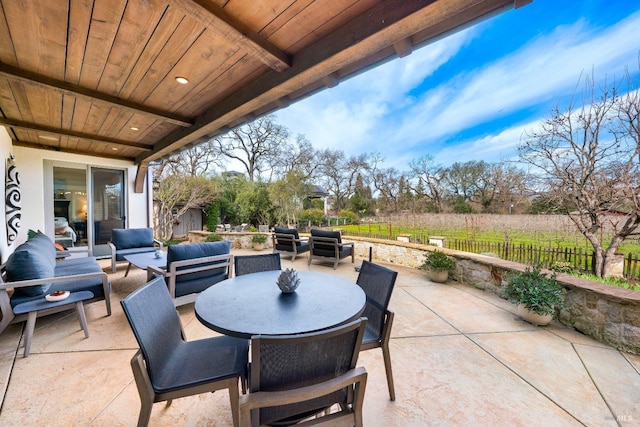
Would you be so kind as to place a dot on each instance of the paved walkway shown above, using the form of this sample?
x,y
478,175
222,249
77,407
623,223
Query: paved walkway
x,y
460,357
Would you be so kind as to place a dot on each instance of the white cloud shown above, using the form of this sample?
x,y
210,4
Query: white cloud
x,y
378,111
349,116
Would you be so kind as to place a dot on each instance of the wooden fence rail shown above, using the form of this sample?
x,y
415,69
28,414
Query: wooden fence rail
x,y
576,258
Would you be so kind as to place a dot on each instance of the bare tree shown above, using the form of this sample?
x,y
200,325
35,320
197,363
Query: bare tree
x,y
340,174
198,160
388,183
589,156
177,194
300,157
429,179
257,145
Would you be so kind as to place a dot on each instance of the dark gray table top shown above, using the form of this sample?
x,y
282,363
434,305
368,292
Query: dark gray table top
x,y
253,304
145,259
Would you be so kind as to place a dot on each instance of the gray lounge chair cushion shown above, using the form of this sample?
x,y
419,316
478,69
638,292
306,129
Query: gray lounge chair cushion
x,y
34,259
198,281
280,230
327,249
127,238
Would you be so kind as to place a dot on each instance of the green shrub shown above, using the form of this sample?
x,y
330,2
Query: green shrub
x,y
259,238
348,217
214,237
315,216
539,292
438,261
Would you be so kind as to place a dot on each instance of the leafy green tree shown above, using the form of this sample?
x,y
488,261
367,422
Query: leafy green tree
x,y
313,217
288,195
348,217
255,204
362,200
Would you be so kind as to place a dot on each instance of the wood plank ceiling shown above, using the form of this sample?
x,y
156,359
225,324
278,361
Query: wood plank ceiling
x,y
98,77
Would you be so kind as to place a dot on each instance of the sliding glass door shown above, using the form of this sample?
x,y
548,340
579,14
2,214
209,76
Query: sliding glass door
x,y
108,203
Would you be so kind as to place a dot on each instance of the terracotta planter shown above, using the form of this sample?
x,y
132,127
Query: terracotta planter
x,y
258,246
533,318
438,276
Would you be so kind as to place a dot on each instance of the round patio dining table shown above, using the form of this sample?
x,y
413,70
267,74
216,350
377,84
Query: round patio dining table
x,y
252,304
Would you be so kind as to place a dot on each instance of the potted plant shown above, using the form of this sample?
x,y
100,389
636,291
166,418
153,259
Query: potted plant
x,y
438,264
258,241
537,294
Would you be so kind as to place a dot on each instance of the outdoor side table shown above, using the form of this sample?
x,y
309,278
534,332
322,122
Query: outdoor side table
x,y
32,308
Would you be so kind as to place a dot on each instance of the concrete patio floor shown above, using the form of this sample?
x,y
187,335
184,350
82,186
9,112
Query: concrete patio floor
x,y
460,357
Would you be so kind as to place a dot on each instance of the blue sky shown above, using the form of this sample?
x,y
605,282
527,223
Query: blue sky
x,y
472,95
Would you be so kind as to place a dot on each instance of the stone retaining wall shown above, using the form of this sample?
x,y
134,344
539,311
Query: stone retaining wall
x,y
606,313
239,240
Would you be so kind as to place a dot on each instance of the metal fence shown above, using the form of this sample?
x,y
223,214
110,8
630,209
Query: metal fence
x,y
578,258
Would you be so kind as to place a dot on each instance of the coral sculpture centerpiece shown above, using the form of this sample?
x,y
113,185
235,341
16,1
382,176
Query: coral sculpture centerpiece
x,y
288,281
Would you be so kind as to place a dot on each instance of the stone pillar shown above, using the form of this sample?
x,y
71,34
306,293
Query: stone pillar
x,y
616,265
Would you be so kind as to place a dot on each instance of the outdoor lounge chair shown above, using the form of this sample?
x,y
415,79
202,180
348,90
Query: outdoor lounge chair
x,y
294,377
247,264
167,367
287,241
192,268
127,241
328,245
377,282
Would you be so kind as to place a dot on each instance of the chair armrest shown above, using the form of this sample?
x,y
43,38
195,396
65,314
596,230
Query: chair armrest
x,y
173,272
203,260
152,269
157,242
265,399
47,280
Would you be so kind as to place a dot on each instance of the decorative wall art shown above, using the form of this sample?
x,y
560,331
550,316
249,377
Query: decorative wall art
x,y
13,204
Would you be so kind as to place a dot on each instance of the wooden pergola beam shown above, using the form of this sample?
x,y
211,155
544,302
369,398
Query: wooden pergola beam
x,y
12,73
217,20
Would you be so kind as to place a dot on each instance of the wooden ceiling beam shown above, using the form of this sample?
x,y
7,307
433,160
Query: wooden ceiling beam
x,y
16,74
220,22
73,134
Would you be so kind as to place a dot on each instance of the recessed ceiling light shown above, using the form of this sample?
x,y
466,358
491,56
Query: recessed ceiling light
x,y
48,138
114,148
182,80
134,128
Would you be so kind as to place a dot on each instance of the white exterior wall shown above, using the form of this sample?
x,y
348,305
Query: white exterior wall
x,y
30,164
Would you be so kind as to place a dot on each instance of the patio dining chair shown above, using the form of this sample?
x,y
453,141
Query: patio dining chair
x,y
247,264
377,282
295,377
167,367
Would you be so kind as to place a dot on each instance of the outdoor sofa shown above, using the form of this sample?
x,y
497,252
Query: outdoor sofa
x,y
32,271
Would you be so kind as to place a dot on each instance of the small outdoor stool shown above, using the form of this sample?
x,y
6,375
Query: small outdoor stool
x,y
32,308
